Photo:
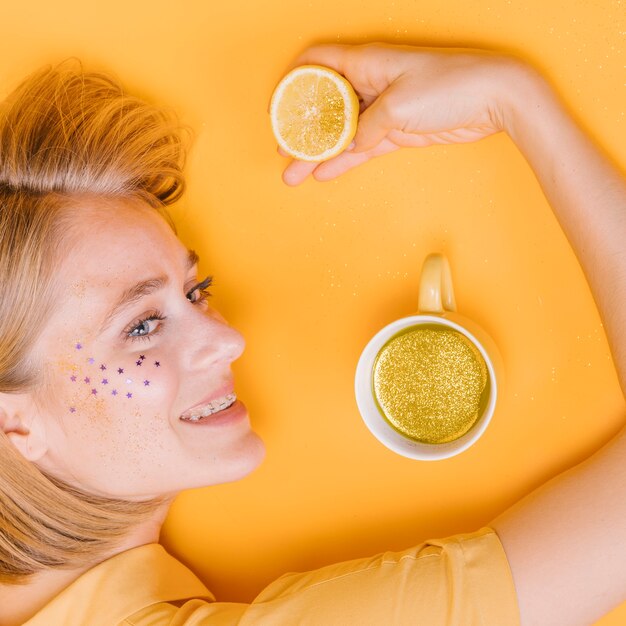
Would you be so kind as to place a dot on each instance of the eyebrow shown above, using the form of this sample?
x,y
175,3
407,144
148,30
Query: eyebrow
x,y
141,289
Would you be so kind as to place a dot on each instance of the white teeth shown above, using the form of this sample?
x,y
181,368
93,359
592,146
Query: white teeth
x,y
210,408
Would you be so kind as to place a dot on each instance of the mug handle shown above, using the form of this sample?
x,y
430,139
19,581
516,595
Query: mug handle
x,y
436,292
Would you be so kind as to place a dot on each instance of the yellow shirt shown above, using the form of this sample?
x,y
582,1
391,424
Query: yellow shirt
x,y
464,580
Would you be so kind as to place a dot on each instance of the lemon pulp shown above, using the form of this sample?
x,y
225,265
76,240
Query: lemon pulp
x,y
314,113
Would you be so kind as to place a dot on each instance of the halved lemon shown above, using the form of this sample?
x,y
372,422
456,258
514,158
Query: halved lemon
x,y
314,113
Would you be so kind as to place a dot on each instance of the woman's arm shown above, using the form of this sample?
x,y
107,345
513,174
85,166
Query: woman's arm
x,y
566,542
587,194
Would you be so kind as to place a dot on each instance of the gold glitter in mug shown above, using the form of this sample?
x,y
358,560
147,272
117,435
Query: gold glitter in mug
x,y
430,383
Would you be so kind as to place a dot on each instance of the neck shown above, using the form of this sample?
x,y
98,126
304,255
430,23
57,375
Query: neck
x,y
18,603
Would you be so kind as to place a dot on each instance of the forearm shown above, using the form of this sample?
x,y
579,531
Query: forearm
x,y
586,191
566,542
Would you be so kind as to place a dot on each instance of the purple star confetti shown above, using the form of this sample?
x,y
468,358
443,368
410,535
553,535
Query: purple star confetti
x,y
73,378
105,381
146,383
103,367
114,392
79,346
94,392
141,357
138,363
72,409
129,395
157,364
87,379
120,370
91,360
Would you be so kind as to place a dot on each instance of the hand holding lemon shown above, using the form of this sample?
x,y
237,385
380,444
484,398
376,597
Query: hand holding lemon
x,y
409,96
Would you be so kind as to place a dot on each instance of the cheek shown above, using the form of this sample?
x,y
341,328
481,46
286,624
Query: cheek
x,y
89,386
110,415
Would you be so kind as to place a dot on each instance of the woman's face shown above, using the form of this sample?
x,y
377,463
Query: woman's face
x,y
132,356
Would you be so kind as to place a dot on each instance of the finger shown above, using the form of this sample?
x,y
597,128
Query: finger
x,y
329,55
297,171
339,165
348,160
373,126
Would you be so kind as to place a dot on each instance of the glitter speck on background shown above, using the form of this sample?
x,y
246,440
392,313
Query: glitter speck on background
x,y
429,383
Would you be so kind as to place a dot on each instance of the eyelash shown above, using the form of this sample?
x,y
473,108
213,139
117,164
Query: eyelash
x,y
202,288
137,324
204,294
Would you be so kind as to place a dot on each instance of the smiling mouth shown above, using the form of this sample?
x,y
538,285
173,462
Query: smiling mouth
x,y
210,408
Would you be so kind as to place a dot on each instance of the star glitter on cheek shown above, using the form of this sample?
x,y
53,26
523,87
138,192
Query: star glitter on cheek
x,y
103,367
72,409
79,346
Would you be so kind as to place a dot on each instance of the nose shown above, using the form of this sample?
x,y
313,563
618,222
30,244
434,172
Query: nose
x,y
216,341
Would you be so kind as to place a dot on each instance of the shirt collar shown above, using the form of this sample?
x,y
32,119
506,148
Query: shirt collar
x,y
121,586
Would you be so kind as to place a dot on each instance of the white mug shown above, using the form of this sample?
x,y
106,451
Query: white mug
x,y
436,307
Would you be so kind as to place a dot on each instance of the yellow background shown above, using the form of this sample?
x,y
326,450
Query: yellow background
x,y
309,274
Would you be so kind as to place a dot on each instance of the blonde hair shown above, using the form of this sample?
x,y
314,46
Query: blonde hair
x,y
64,133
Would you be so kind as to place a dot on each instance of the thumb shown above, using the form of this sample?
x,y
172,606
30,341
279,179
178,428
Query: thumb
x,y
373,126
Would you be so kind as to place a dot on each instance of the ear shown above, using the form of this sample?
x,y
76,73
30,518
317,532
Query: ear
x,y
21,423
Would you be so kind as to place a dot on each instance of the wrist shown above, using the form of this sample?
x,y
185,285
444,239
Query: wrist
x,y
524,100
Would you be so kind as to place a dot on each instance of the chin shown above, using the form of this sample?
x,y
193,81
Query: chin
x,y
228,468
253,457
235,465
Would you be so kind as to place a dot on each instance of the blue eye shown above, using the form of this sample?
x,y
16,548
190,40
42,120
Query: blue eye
x,y
199,293
145,328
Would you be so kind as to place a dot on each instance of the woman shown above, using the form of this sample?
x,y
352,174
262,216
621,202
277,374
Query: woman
x,y
115,383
